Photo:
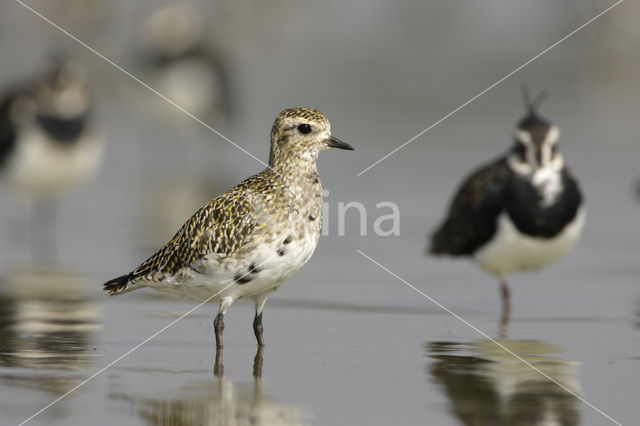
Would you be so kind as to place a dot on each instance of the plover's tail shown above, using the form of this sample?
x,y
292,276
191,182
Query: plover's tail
x,y
117,285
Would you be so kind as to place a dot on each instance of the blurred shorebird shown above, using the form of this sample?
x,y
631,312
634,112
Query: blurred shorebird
x,y
183,66
47,143
521,212
249,240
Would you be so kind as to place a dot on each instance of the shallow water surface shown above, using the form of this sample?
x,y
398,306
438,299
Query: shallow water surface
x,y
347,342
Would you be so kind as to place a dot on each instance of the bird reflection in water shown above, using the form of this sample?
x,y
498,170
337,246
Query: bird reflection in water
x,y
47,325
488,386
219,401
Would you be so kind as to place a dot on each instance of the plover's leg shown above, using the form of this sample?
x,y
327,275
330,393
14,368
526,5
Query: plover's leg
x,y
261,299
506,302
257,362
218,323
218,367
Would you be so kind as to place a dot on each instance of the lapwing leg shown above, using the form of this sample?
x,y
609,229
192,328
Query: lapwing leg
x,y
261,299
44,237
218,323
506,302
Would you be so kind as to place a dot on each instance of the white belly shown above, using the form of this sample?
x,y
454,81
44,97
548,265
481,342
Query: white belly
x,y
510,250
223,277
42,167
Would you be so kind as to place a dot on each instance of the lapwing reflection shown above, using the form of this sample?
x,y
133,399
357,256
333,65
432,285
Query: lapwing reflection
x,y
47,323
488,386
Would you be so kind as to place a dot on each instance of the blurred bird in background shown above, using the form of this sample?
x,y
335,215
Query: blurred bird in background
x,y
179,57
520,212
182,65
47,143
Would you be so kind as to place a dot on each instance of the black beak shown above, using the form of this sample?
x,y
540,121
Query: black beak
x,y
334,142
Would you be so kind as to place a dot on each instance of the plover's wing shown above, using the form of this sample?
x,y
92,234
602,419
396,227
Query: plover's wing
x,y
471,220
221,226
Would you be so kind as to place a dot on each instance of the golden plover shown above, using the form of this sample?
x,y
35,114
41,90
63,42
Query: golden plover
x,y
249,240
520,212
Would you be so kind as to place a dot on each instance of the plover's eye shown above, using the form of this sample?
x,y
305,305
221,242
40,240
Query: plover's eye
x,y
304,128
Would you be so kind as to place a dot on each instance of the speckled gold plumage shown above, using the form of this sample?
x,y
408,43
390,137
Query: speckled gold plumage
x,y
222,226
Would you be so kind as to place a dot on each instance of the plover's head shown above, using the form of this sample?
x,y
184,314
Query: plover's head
x,y
535,143
62,91
301,133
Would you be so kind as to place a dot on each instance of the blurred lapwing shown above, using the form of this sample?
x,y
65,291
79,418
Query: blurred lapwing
x,y
246,242
47,143
520,212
